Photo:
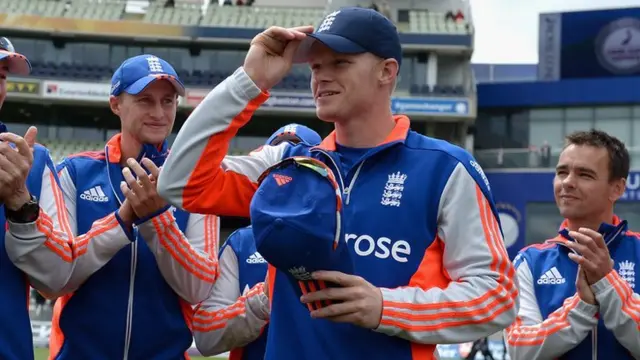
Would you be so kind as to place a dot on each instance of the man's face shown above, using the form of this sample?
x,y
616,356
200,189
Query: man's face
x,y
148,116
342,85
4,71
581,186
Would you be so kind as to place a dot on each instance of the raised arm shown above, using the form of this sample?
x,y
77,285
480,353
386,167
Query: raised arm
x,y
481,297
532,337
197,176
187,261
620,309
43,249
229,319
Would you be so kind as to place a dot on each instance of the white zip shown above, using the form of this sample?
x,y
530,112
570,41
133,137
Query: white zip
x,y
352,183
132,274
345,190
132,278
594,343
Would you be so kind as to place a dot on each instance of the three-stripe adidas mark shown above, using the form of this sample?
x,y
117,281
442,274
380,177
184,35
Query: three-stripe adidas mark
x,y
282,179
256,258
94,194
551,277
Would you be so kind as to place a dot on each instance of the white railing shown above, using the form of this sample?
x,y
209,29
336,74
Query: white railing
x,y
530,158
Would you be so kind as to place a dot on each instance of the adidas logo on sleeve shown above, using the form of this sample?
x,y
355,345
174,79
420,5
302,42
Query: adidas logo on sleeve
x,y
256,258
551,277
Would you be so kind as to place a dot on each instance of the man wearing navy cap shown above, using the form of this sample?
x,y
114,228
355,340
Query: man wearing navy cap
x,y
419,219
139,265
234,318
29,194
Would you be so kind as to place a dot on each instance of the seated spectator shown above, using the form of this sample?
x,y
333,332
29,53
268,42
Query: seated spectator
x,y
459,17
239,3
227,3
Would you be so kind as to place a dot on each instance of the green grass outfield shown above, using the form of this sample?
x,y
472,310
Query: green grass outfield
x,y
42,354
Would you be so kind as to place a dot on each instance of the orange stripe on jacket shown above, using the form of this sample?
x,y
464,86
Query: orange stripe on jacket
x,y
535,335
205,320
630,306
505,285
232,193
56,338
174,242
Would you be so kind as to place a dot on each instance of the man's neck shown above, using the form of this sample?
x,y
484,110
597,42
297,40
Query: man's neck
x,y
130,147
367,130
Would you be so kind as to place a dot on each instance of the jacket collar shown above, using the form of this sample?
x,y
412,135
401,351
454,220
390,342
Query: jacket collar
x,y
399,133
612,232
156,154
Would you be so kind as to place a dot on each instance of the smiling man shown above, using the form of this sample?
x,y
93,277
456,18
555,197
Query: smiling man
x,y
132,288
573,304
413,206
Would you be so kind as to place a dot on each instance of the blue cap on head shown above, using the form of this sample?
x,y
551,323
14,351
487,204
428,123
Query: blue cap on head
x,y
296,220
355,30
18,64
136,73
295,133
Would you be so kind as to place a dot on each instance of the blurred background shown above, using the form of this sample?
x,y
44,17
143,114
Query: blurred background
x,y
506,80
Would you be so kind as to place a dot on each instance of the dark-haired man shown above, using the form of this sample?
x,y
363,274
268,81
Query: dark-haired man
x,y
573,302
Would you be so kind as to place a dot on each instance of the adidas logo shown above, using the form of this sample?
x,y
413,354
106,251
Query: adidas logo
x,y
94,194
551,277
256,258
282,179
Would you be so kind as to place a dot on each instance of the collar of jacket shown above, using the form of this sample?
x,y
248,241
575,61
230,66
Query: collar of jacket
x,y
154,153
398,134
612,232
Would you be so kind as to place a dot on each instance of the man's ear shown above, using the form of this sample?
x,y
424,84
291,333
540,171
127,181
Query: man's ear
x,y
114,104
618,188
389,71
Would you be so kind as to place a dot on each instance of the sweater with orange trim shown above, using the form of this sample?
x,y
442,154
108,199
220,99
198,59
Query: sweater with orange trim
x,y
553,322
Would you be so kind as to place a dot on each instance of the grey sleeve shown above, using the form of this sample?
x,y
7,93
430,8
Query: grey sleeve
x,y
188,262
620,310
532,337
481,298
228,319
44,249
96,247
197,175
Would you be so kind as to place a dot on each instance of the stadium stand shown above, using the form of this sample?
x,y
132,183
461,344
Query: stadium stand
x,y
99,62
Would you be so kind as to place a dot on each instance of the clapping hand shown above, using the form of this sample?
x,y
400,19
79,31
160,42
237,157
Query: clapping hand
x,y
15,164
139,188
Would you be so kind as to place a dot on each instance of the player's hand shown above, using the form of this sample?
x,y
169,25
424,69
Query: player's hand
x,y
15,164
583,288
360,302
141,192
593,253
270,55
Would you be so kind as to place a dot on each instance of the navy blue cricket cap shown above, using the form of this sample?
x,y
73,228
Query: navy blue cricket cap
x,y
18,64
296,217
295,133
355,30
136,73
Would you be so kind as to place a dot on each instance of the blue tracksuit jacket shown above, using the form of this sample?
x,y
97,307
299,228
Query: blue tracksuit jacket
x,y
553,323
413,208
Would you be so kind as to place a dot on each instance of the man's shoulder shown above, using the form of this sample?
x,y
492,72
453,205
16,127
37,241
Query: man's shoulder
x,y
241,237
443,151
85,158
537,252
